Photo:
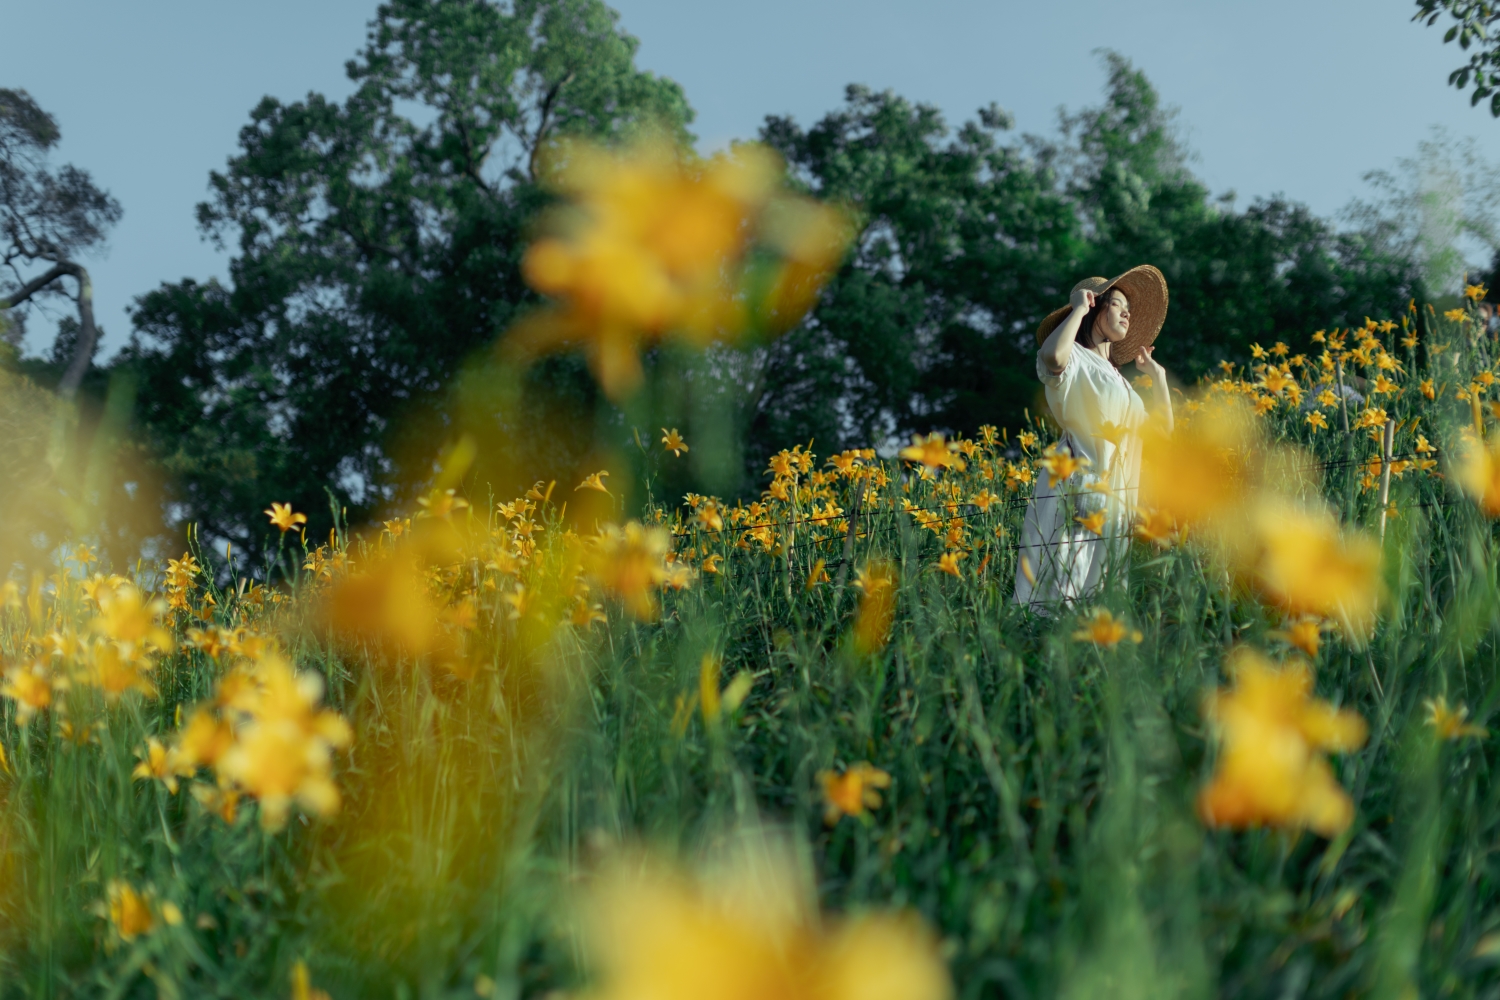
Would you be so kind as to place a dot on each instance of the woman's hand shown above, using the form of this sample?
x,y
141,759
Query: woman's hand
x,y
1146,363
1081,299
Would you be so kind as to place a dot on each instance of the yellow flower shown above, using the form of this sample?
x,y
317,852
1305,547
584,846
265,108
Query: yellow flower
x,y
933,452
872,626
630,564
1060,463
156,763
30,689
1449,723
672,441
302,987
1104,629
1316,421
1427,390
440,503
1300,561
1271,771
129,913
1027,440
282,517
1478,473
1257,352
744,932
853,792
1371,416
1475,292
1327,398
1305,635
984,499
284,745
1093,522
1203,471
1384,385
594,482
948,563
1156,527
1455,315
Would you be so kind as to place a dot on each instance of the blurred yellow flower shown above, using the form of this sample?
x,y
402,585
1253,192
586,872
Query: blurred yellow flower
x,y
1204,470
282,517
302,987
1156,527
1475,292
1306,635
30,688
1303,563
672,441
744,932
284,744
1271,770
948,563
853,792
872,626
1060,463
156,764
1455,315
129,913
1449,722
1105,630
1092,522
630,564
1427,390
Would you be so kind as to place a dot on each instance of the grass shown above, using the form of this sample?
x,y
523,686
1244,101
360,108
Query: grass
x,y
1041,812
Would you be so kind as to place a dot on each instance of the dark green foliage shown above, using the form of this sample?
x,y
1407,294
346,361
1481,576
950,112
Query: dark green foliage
x,y
1474,28
377,246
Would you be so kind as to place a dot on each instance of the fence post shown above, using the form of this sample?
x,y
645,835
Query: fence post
x,y
1387,443
859,496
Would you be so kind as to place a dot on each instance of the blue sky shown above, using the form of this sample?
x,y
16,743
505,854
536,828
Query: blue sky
x,y
1300,97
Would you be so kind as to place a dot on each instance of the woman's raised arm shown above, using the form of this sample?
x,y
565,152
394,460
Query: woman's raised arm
x,y
1058,346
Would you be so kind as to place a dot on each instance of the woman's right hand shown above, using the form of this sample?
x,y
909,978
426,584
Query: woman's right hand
x,y
1082,298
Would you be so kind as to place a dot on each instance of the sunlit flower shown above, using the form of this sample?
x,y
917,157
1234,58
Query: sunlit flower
x,y
1156,527
1271,769
1316,420
282,517
1449,722
30,688
853,792
672,441
1428,392
948,563
1455,315
1060,463
440,503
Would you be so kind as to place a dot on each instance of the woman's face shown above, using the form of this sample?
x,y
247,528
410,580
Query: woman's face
x,y
1113,323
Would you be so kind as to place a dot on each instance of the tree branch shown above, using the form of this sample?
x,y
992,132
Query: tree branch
x,y
544,120
88,333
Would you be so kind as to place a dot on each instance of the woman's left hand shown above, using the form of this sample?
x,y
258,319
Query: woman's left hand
x,y
1146,363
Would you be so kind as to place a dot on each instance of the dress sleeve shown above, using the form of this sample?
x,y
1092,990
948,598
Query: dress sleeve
x,y
1061,379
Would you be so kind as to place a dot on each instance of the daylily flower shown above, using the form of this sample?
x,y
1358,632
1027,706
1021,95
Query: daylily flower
x,y
282,517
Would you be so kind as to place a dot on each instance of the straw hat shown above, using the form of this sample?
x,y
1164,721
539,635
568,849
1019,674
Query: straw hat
x,y
1146,288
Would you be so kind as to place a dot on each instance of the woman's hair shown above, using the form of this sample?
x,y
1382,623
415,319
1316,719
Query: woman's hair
x,y
1087,329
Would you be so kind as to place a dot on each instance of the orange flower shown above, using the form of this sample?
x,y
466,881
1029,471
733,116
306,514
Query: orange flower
x,y
853,792
1105,630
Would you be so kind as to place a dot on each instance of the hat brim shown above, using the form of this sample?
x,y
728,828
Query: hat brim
x,y
1146,287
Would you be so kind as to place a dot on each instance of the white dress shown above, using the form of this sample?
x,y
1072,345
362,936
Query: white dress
x,y
1060,560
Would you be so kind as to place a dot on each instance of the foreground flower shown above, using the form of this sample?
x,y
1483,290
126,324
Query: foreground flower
x,y
1305,635
1271,769
284,743
629,564
1302,562
744,932
595,481
948,563
1449,722
282,517
1200,474
853,792
30,688
653,241
1105,630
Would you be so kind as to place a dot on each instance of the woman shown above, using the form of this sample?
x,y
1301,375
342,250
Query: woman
x,y
1078,522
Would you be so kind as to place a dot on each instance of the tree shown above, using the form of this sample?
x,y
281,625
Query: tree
x,y
377,245
1473,27
48,219
967,242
